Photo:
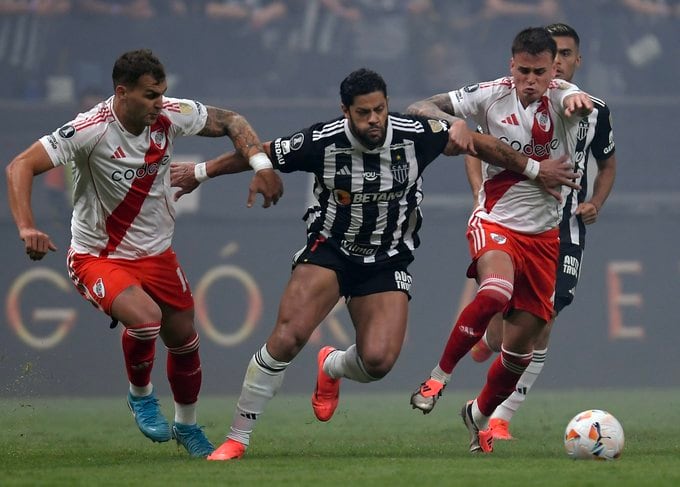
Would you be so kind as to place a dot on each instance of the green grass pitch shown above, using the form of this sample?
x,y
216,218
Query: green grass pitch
x,y
374,439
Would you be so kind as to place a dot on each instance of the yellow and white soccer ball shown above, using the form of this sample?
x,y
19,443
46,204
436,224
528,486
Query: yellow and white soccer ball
x,y
594,435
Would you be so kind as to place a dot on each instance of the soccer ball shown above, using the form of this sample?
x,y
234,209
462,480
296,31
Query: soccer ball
x,y
594,435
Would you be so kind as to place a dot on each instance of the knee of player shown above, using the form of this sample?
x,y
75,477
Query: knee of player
x,y
377,365
496,290
288,340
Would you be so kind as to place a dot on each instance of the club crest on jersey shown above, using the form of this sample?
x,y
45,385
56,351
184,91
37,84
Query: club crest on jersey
x,y
399,170
98,289
67,131
543,120
158,139
499,239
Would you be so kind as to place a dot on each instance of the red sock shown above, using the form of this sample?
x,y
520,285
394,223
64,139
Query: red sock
x,y
184,371
139,350
501,380
493,295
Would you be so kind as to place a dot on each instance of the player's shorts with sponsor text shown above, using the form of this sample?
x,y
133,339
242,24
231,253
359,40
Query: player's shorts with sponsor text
x,y
534,257
357,279
568,272
100,279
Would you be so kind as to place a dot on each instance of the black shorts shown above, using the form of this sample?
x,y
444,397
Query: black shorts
x,y
357,279
568,270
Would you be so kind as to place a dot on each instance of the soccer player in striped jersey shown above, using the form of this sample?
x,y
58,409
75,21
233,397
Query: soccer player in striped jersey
x,y
596,139
513,232
121,258
362,230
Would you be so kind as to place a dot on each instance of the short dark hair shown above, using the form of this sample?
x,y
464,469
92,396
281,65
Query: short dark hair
x,y
534,40
563,30
361,82
132,65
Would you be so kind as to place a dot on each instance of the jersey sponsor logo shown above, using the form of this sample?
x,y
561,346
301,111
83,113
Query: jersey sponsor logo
x,y
279,151
436,126
138,173
98,289
532,149
185,108
354,248
370,175
403,280
570,265
158,138
67,131
344,198
499,239
297,140
52,141
471,88
285,147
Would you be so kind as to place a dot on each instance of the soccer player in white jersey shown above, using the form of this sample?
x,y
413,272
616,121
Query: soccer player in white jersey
x,y
598,141
120,257
513,232
362,230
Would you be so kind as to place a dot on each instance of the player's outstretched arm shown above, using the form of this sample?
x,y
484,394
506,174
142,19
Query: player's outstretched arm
x,y
247,144
188,176
20,173
550,174
440,107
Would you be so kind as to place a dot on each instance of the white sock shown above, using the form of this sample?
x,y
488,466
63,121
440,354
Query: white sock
x,y
185,413
347,364
263,380
440,375
509,407
141,391
480,420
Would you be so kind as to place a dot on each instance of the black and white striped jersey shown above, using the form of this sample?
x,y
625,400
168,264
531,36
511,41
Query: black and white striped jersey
x,y
366,202
595,137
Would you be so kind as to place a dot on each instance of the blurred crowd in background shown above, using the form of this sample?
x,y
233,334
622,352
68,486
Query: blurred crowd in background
x,y
58,50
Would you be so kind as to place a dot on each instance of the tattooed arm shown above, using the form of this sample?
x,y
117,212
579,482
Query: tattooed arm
x,y
551,174
223,122
266,181
440,107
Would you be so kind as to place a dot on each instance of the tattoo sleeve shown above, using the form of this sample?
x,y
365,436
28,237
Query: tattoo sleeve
x,y
498,153
437,106
223,122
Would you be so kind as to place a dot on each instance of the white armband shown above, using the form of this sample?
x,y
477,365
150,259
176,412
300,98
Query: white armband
x,y
201,172
260,161
532,168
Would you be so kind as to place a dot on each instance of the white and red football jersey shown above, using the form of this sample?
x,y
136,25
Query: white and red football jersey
x,y
540,131
122,200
